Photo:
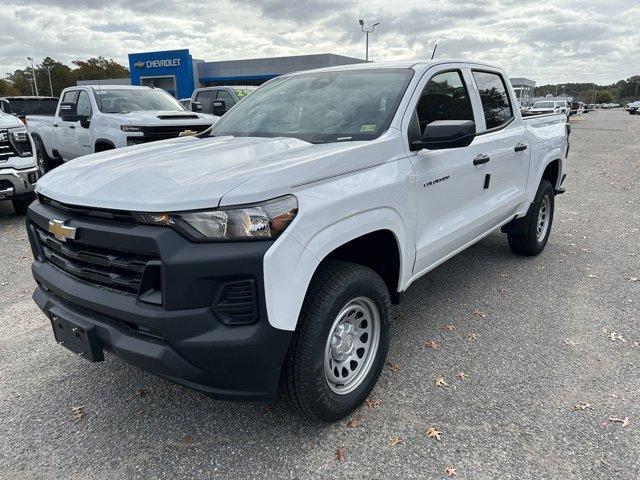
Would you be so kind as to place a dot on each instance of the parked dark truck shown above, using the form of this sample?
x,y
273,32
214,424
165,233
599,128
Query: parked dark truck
x,y
264,254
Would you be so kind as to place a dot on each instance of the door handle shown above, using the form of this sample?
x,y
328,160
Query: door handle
x,y
521,147
480,159
55,125
72,127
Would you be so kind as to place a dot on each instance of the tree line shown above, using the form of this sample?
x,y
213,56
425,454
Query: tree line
x,y
622,92
20,82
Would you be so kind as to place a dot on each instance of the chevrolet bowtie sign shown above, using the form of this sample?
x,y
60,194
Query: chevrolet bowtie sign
x,y
61,231
171,62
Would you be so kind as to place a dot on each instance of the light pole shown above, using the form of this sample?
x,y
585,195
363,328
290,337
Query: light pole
x,y
367,31
49,67
33,74
636,95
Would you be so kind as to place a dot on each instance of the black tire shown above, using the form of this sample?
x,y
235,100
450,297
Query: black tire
x,y
304,384
20,205
528,243
44,161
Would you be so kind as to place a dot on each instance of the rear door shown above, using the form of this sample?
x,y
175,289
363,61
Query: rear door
x,y
503,138
64,129
449,187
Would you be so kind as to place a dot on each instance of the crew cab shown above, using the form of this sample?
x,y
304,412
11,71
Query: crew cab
x,y
219,100
18,172
21,106
93,119
263,255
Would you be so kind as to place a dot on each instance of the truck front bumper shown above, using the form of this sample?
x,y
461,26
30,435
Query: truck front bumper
x,y
15,183
185,333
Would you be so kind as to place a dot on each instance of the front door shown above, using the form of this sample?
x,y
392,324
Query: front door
x,y
450,188
64,129
84,143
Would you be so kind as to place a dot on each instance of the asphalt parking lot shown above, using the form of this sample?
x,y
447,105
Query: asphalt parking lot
x,y
539,358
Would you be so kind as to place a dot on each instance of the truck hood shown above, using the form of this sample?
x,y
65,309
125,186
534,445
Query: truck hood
x,y
9,121
190,173
162,117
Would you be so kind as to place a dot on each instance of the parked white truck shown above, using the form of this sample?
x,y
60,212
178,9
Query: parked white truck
x,y
18,172
96,118
264,254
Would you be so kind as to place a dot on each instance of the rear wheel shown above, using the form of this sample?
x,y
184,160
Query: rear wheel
x,y
341,342
537,223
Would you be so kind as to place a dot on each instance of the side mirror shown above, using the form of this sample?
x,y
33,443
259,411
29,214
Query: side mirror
x,y
196,106
85,122
218,107
443,134
68,111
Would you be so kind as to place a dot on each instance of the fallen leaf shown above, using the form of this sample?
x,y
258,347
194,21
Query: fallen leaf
x,y
440,382
625,422
449,328
78,413
608,464
269,410
140,412
340,454
393,441
479,314
505,275
615,336
591,275
354,423
432,344
141,392
582,406
393,367
434,433
569,342
634,279
188,440
451,472
472,336
372,403
462,375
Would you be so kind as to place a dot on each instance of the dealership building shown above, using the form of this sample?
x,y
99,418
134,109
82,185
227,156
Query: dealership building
x,y
177,72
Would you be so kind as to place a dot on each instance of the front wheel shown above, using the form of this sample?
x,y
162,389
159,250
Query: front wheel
x,y
44,161
537,222
341,342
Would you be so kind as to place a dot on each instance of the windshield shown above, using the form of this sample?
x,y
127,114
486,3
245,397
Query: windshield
x,y
544,105
320,107
135,100
33,106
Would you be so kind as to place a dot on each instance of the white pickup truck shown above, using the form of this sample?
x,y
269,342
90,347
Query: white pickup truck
x,y
264,254
96,118
18,172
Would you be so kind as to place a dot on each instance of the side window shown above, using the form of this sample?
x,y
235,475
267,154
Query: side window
x,y
205,98
70,96
445,97
84,104
495,99
226,96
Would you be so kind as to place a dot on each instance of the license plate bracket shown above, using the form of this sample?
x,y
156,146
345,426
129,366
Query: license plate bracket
x,y
79,337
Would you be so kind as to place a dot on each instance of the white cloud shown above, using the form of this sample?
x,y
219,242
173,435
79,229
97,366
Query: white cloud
x,y
548,41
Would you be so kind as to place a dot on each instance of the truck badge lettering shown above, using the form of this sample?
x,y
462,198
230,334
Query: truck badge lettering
x,y
437,180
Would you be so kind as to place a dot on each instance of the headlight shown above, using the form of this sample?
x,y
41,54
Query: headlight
x,y
130,128
265,220
19,134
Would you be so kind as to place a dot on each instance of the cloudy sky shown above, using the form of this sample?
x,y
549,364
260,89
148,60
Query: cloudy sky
x,y
547,40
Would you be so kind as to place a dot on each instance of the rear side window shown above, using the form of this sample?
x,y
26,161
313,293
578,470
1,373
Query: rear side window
x,y
70,96
496,104
205,98
445,97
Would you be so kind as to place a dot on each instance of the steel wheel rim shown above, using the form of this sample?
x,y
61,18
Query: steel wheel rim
x,y
352,345
544,215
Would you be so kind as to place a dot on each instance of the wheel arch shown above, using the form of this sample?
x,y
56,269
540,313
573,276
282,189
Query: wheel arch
x,y
102,144
365,238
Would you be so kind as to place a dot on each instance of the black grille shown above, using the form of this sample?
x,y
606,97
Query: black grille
x,y
152,134
110,268
115,215
235,303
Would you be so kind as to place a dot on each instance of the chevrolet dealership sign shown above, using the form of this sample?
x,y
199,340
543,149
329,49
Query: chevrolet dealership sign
x,y
172,62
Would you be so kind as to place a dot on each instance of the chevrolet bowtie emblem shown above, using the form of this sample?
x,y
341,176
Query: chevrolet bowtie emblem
x,y
61,231
187,133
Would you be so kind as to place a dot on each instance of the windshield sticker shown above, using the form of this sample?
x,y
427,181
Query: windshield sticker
x,y
368,128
